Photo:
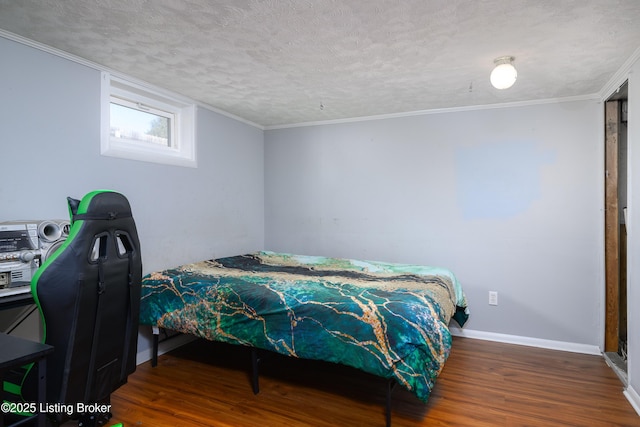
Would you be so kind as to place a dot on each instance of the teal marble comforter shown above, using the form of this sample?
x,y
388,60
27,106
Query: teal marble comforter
x,y
390,320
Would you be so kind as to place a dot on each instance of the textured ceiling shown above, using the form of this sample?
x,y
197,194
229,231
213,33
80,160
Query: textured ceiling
x,y
278,62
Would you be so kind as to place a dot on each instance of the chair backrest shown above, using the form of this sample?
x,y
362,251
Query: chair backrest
x,y
88,293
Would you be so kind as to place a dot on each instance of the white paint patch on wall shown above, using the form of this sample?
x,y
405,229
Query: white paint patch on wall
x,y
500,179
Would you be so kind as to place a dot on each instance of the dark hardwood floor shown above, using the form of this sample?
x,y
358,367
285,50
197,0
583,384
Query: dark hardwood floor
x,y
483,384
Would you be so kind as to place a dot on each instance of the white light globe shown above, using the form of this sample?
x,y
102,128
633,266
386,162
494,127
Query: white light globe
x,y
503,76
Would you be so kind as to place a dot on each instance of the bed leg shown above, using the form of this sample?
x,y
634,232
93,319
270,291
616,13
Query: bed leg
x,y
391,384
154,355
255,361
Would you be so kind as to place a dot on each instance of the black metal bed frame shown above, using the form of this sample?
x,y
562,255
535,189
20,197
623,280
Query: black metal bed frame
x,y
255,365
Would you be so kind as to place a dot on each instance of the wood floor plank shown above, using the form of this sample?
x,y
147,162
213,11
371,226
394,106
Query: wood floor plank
x,y
483,384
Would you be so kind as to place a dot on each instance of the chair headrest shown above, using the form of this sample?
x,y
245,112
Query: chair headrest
x,y
99,205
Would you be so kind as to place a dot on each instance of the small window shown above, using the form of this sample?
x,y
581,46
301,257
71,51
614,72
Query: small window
x,y
140,124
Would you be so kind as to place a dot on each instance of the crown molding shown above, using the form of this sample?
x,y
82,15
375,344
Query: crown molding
x,y
93,65
589,97
608,89
620,77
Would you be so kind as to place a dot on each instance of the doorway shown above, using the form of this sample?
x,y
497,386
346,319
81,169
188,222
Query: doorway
x,y
615,231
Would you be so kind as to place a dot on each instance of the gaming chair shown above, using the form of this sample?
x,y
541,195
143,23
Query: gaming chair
x,y
88,294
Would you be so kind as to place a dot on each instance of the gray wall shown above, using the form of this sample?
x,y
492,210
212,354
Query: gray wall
x,y
50,149
633,238
509,199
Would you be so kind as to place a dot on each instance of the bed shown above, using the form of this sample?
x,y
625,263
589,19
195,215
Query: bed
x,y
390,320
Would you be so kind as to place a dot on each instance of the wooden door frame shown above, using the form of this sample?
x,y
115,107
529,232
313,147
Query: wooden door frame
x,y
612,228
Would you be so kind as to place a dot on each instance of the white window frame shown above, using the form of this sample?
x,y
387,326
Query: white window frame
x,y
182,116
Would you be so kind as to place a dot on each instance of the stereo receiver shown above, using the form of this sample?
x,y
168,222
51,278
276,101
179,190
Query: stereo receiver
x,y
24,245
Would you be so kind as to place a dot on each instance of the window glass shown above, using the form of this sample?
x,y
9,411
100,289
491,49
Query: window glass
x,y
135,125
144,124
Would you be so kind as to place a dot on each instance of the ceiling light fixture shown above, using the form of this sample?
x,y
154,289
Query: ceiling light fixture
x,y
504,74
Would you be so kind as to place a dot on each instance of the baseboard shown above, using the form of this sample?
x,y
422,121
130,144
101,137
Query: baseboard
x,y
164,347
633,398
531,342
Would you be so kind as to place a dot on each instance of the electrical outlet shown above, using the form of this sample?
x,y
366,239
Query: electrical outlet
x,y
493,298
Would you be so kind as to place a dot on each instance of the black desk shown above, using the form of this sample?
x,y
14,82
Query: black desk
x,y
16,300
15,352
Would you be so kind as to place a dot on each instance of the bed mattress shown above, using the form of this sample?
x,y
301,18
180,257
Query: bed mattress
x,y
390,320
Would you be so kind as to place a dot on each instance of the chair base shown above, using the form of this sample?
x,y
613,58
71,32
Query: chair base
x,y
94,420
